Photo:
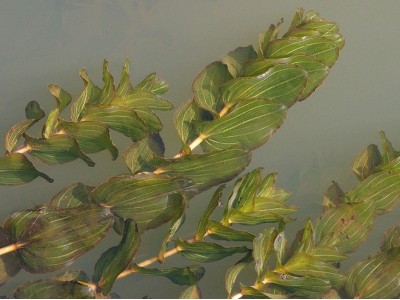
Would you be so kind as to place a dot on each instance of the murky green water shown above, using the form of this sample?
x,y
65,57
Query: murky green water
x,y
46,42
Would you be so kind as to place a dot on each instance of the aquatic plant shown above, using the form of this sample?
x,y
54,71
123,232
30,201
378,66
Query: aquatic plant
x,y
238,103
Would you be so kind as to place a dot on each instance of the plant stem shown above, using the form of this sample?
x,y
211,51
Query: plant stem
x,y
11,248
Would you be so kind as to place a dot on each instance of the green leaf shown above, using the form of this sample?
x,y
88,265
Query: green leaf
x,y
118,118
235,59
124,86
205,169
116,259
389,153
255,218
15,168
377,277
263,248
54,289
345,226
57,149
284,83
192,292
10,264
153,84
90,94
138,157
149,199
55,237
325,49
72,195
214,203
280,245
266,37
62,98
231,274
184,118
33,111
51,123
310,287
365,163
206,86
15,132
150,120
218,231
108,91
181,276
391,239
333,196
91,136
206,252
249,124
382,188
139,99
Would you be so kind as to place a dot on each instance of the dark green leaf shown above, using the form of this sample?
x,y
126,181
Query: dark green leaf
x,y
91,136
115,260
231,274
345,226
118,118
205,169
108,91
249,124
325,49
55,237
333,196
389,153
250,292
377,277
149,199
90,94
192,292
220,232
138,157
365,162
206,86
72,195
15,132
33,111
9,263
15,168
54,289
255,218
153,84
181,276
206,252
139,99
266,37
124,86
214,203
62,97
150,120
237,58
263,248
184,118
57,149
284,83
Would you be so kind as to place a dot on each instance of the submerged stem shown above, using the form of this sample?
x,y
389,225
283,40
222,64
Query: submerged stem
x,y
11,248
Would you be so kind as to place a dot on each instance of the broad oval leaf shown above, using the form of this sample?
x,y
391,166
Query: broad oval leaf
x,y
124,86
205,169
57,149
149,199
139,99
15,132
206,252
365,162
138,157
62,97
218,231
345,226
231,274
108,91
192,292
55,237
152,84
237,58
15,168
206,86
249,124
325,49
73,195
116,259
284,83
377,277
91,136
118,118
150,120
391,239
51,123
263,248
54,289
90,94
